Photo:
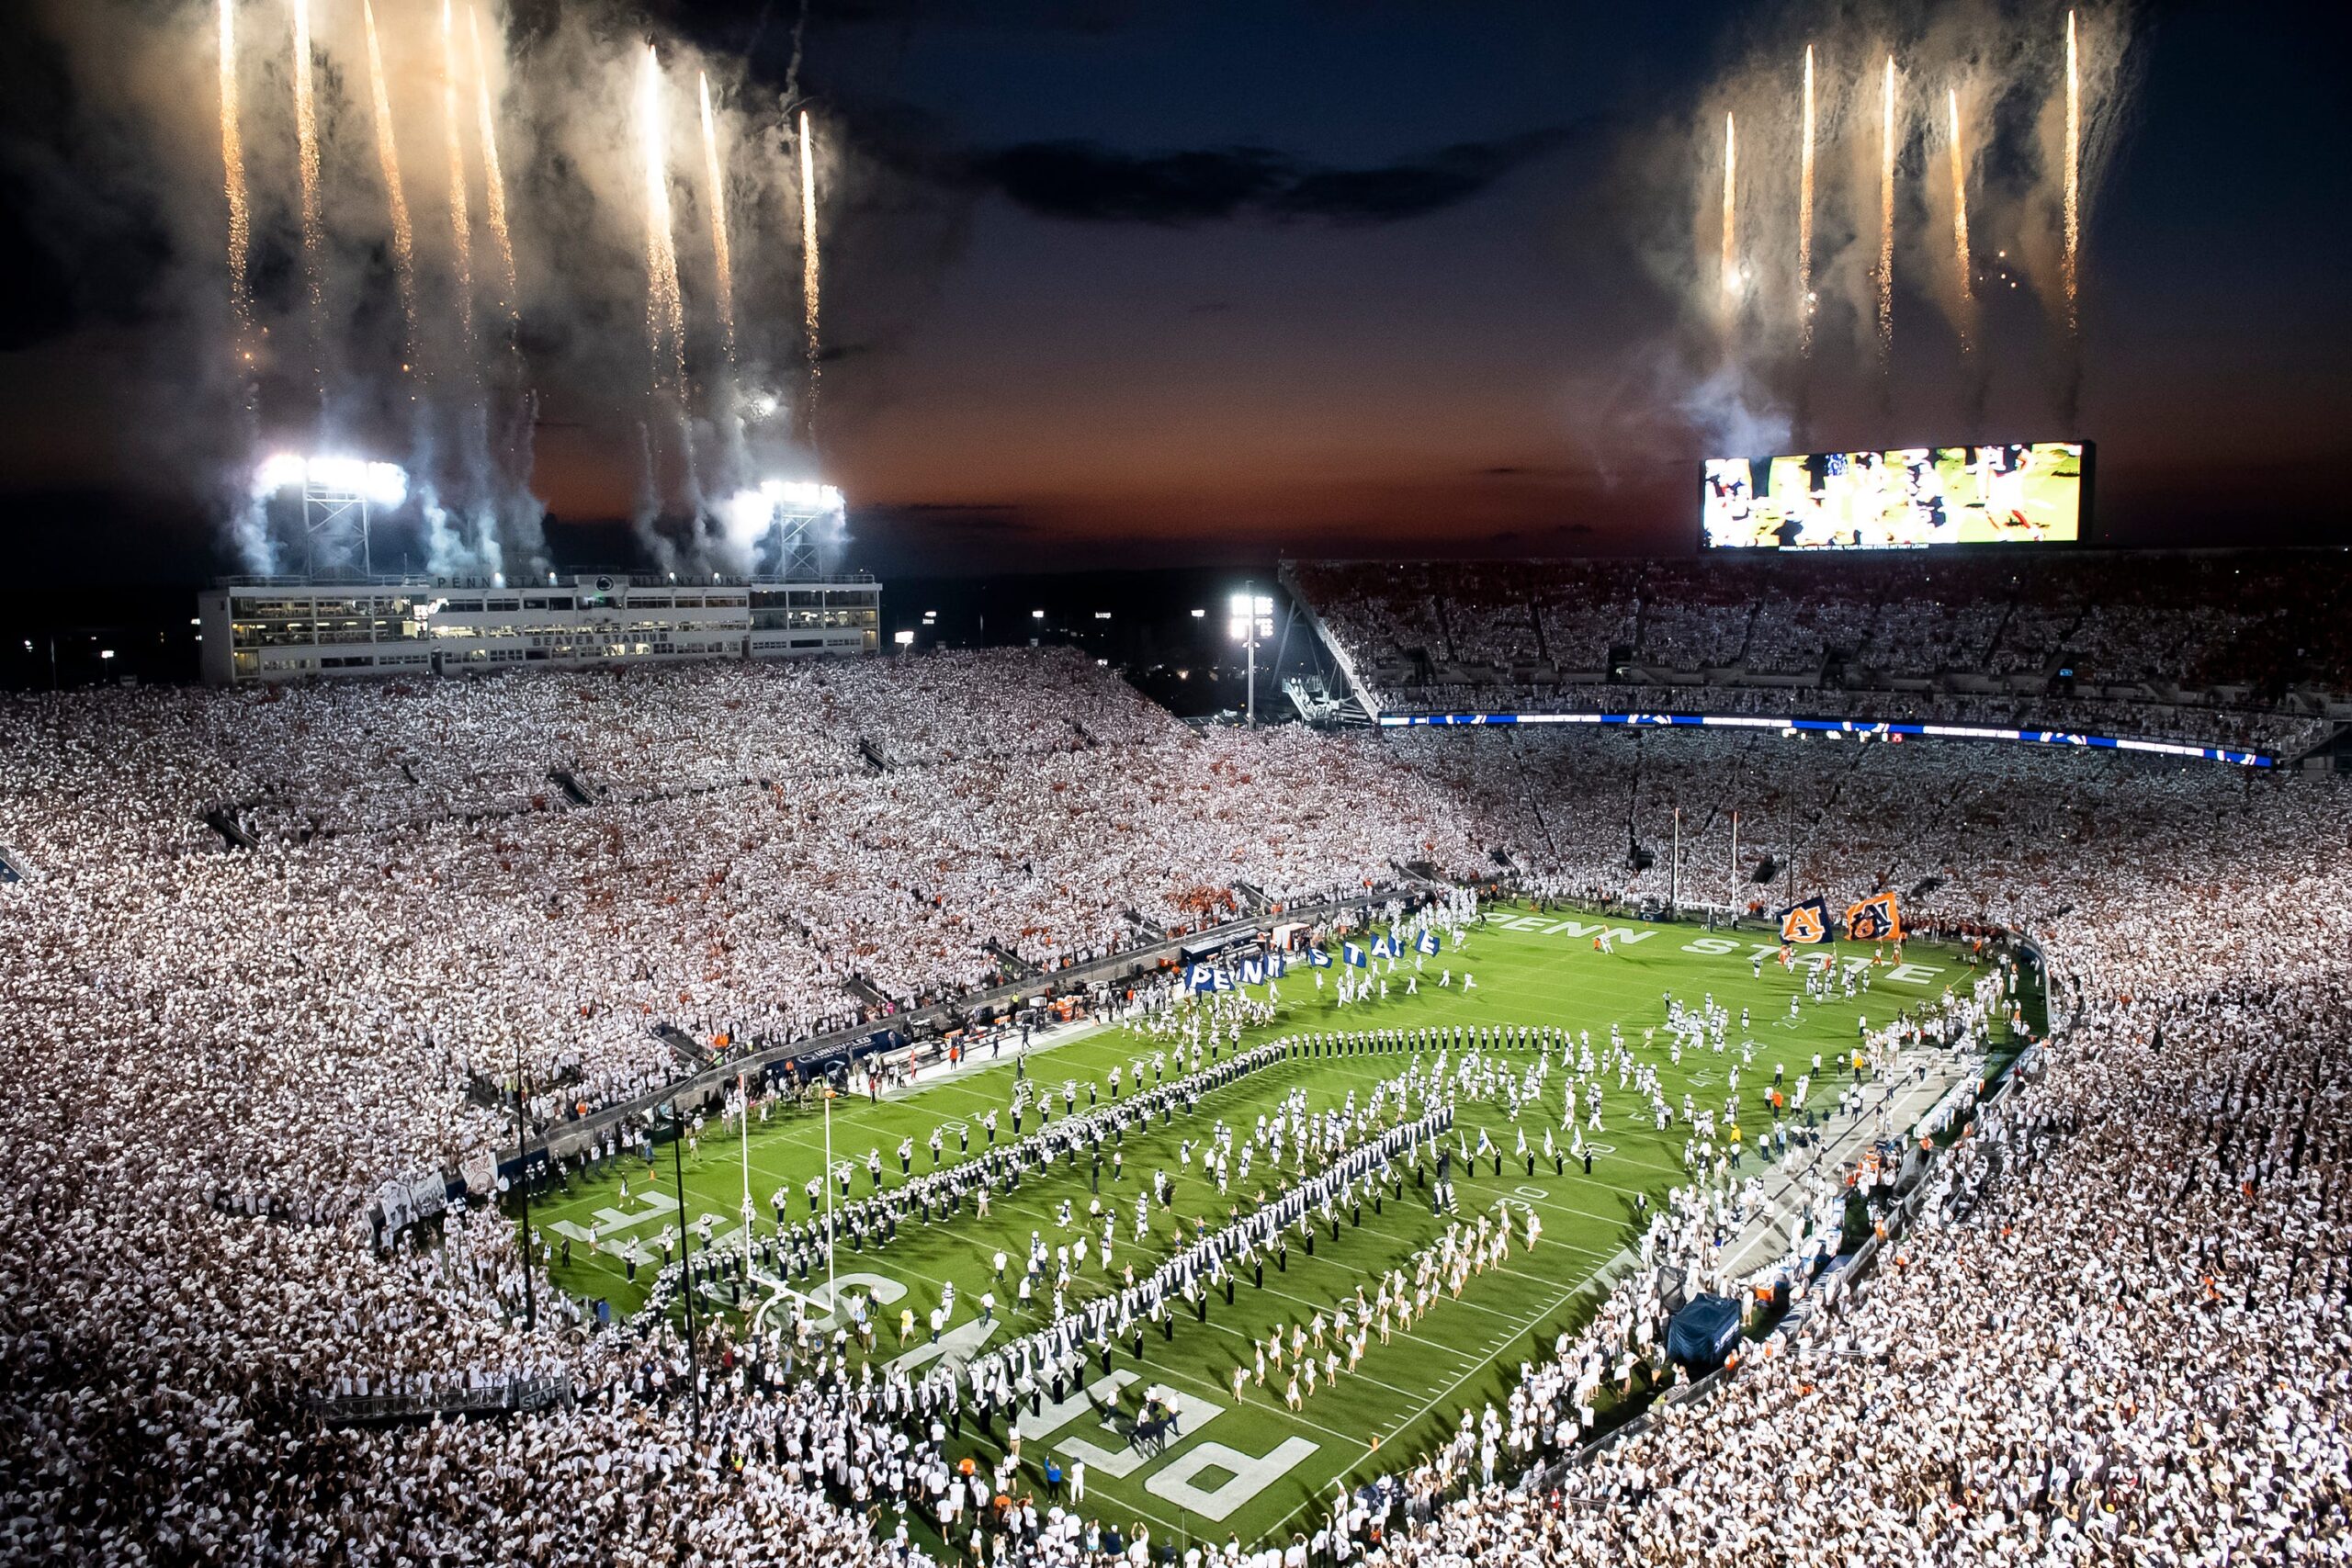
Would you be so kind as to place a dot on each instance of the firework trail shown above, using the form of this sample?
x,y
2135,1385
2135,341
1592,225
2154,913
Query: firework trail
x,y
460,223
808,256
387,154
1959,217
1731,244
1886,222
1804,217
233,184
665,314
493,182
718,222
2074,172
306,130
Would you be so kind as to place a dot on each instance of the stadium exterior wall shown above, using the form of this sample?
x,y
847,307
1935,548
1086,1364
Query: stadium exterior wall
x,y
269,630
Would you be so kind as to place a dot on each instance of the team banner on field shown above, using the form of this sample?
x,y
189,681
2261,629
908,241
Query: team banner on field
x,y
1319,958
1803,924
1875,919
1427,942
1354,955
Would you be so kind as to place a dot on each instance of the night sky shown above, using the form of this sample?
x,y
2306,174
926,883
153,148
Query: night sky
x,y
1145,283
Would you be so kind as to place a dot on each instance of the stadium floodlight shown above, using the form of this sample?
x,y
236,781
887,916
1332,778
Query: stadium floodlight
x,y
1250,619
802,514
1036,614
1200,614
338,492
903,639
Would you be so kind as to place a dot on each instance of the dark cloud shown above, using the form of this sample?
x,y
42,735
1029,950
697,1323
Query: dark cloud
x,y
1084,180
1091,183
1446,178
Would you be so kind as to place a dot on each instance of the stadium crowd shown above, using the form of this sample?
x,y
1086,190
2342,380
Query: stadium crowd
x,y
2128,1347
2228,649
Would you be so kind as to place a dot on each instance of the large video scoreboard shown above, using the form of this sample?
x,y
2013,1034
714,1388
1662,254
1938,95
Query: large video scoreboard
x,y
2017,492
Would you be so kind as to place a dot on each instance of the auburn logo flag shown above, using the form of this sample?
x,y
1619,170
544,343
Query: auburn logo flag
x,y
1804,923
1875,919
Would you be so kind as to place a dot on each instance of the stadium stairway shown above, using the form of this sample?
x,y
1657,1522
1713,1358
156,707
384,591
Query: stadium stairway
x,y
1014,963
573,790
686,1048
863,989
221,820
1135,919
1533,797
872,755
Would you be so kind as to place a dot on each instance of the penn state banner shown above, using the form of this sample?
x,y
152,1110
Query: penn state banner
x,y
1875,919
1804,923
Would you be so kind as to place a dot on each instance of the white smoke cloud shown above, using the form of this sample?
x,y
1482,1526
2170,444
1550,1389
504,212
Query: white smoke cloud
x,y
458,408
2004,64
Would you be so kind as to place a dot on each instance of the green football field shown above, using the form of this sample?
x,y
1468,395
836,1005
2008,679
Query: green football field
x,y
1249,1466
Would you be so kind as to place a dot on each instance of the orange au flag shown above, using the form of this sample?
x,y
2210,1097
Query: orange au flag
x,y
1803,924
1875,919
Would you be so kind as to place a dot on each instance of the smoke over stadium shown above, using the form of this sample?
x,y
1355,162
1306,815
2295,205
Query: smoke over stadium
x,y
1879,192
390,228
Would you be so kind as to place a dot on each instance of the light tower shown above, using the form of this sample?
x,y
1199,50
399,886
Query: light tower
x,y
803,517
1251,617
338,493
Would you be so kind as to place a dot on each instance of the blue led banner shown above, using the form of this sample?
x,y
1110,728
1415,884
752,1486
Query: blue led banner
x,y
1868,728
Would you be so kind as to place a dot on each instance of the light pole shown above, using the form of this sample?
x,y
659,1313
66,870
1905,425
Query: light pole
x,y
1674,875
833,1292
685,1255
522,1183
1250,616
743,1091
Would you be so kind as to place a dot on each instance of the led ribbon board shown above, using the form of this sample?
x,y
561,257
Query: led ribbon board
x,y
1867,729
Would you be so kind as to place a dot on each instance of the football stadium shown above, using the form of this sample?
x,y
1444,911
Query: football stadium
x,y
895,786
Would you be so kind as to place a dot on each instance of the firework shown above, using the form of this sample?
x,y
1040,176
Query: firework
x,y
493,182
808,254
233,184
1731,227
2074,172
1960,216
387,155
461,228
306,132
1886,219
718,183
665,316
1804,217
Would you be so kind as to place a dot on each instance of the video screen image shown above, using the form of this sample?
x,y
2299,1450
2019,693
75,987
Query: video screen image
x,y
2028,492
